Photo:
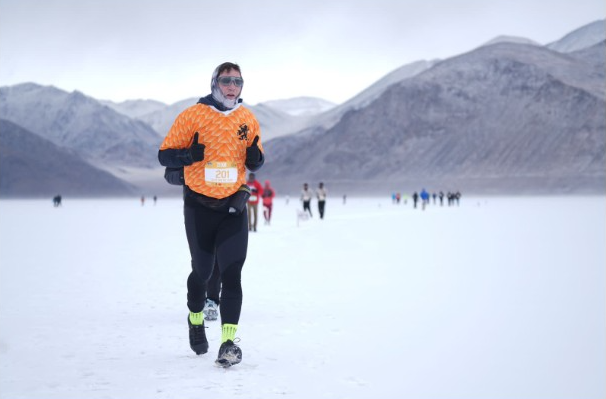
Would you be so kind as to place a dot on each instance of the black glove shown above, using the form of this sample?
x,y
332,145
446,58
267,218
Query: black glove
x,y
253,153
196,150
174,176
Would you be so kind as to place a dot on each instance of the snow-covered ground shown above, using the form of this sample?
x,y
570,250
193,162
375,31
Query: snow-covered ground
x,y
496,298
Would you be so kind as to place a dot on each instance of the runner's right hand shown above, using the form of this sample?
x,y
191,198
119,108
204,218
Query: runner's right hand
x,y
196,150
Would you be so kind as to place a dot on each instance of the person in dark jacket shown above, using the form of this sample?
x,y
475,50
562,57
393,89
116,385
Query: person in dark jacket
x,y
321,194
415,198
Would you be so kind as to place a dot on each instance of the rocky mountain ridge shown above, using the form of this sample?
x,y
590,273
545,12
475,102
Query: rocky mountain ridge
x,y
503,118
508,117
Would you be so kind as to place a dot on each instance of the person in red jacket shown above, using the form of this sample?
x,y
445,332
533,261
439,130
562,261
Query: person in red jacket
x,y
268,200
256,191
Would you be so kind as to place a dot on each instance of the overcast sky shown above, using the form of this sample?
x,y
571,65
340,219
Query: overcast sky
x,y
166,50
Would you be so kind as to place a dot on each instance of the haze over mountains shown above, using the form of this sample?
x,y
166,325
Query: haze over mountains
x,y
31,165
509,117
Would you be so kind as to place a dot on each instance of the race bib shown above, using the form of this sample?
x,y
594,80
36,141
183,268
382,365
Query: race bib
x,y
220,173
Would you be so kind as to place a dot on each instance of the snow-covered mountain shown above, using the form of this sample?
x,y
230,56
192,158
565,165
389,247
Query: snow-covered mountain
x,y
97,133
273,121
277,117
135,108
585,36
505,118
510,39
162,119
326,120
301,106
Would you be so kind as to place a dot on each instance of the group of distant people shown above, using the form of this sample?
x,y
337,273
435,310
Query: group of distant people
x,y
424,197
307,194
155,198
58,198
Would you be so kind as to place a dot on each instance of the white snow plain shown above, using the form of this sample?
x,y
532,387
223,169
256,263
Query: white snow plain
x,y
495,298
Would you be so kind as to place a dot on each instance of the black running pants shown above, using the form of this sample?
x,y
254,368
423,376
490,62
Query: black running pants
x,y
220,236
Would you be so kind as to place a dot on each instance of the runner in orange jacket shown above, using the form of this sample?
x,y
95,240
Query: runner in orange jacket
x,y
208,149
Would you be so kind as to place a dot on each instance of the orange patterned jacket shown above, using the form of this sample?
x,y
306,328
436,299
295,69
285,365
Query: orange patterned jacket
x,y
226,135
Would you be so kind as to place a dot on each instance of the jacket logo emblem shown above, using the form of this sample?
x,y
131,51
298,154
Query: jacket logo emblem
x,y
243,132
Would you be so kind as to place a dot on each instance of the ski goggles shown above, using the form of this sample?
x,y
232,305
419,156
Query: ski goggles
x,y
227,80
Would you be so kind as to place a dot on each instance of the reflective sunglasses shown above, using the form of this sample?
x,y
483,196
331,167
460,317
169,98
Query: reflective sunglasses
x,y
227,80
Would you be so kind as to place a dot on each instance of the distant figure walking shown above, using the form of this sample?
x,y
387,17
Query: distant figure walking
x,y
306,195
321,194
424,198
256,191
268,201
142,200
57,200
415,198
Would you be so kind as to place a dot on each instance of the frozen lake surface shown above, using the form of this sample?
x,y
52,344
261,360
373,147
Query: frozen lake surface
x,y
495,298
